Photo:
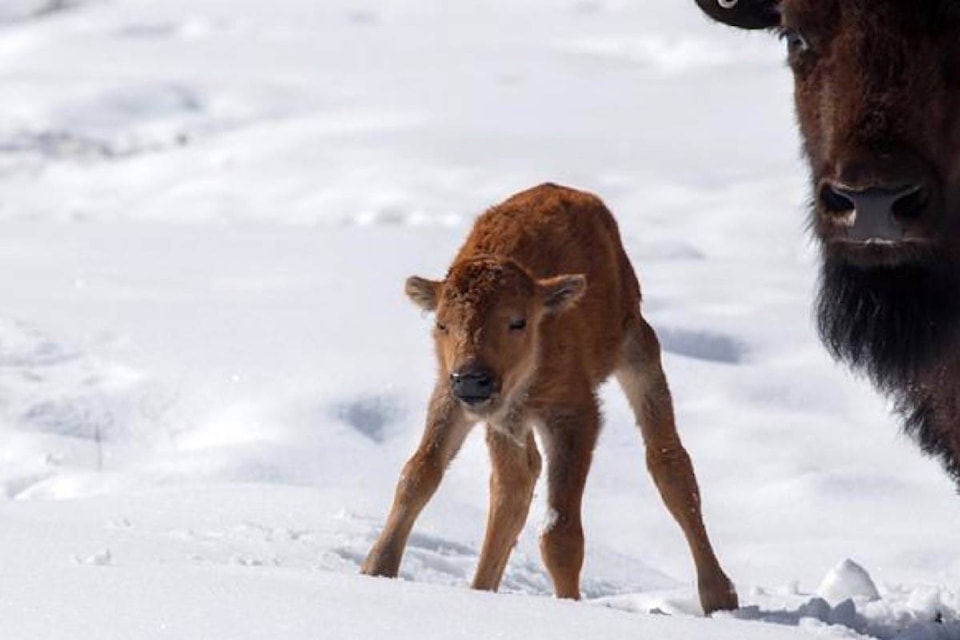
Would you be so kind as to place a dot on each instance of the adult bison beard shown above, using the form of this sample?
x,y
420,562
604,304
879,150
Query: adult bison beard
x,y
891,322
900,325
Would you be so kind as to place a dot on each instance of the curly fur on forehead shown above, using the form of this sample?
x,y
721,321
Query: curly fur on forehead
x,y
480,283
925,14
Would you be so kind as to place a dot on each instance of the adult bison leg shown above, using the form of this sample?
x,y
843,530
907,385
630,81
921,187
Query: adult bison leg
x,y
516,466
446,429
641,375
569,436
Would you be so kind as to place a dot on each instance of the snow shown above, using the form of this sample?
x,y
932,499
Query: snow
x,y
206,597
846,581
210,378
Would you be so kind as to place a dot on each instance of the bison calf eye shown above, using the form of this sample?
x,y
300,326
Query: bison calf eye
x,y
442,328
518,325
796,43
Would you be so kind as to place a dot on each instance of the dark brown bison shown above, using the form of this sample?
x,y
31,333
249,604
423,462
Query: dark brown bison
x,y
540,306
877,89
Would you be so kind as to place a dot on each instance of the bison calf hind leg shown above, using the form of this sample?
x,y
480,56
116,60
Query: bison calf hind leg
x,y
640,373
569,436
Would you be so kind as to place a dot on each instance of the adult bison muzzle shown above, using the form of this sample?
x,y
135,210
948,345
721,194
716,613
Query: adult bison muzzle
x,y
877,90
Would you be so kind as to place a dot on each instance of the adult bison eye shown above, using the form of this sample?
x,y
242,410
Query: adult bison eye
x,y
796,43
518,325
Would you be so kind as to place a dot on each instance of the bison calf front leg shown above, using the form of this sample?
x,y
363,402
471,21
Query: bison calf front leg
x,y
445,432
516,466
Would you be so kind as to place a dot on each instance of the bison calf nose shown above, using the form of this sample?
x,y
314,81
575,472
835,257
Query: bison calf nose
x,y
472,386
877,213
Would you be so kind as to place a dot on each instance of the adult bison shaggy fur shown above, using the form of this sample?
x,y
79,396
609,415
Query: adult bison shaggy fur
x,y
877,91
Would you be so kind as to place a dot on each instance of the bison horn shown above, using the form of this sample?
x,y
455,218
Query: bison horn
x,y
728,4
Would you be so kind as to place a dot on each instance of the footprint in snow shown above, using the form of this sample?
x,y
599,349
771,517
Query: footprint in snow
x,y
702,345
372,416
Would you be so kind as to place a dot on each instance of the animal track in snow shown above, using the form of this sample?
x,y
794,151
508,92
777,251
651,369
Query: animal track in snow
x,y
702,345
15,11
371,415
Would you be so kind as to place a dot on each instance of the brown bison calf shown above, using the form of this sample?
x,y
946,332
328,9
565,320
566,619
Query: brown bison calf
x,y
540,306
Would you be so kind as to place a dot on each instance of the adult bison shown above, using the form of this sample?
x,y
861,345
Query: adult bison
x,y
877,89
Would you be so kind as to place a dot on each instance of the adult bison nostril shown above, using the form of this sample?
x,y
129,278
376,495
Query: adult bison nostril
x,y
835,203
910,206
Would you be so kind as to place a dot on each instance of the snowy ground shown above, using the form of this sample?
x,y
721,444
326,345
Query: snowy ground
x,y
209,377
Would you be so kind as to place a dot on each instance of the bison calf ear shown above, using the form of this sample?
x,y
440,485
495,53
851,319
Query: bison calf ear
x,y
745,14
423,292
561,292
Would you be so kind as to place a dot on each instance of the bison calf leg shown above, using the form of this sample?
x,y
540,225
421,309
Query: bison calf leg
x,y
641,375
569,437
445,432
516,467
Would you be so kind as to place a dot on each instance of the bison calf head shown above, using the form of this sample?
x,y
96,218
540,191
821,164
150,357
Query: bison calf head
x,y
877,90
489,313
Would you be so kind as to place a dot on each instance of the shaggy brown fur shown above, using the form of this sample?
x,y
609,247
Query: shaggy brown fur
x,y
540,306
877,86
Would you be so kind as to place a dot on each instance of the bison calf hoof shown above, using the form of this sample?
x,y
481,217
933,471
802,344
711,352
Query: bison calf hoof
x,y
380,567
377,572
718,595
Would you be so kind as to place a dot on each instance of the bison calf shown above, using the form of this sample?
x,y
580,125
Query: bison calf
x,y
540,306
